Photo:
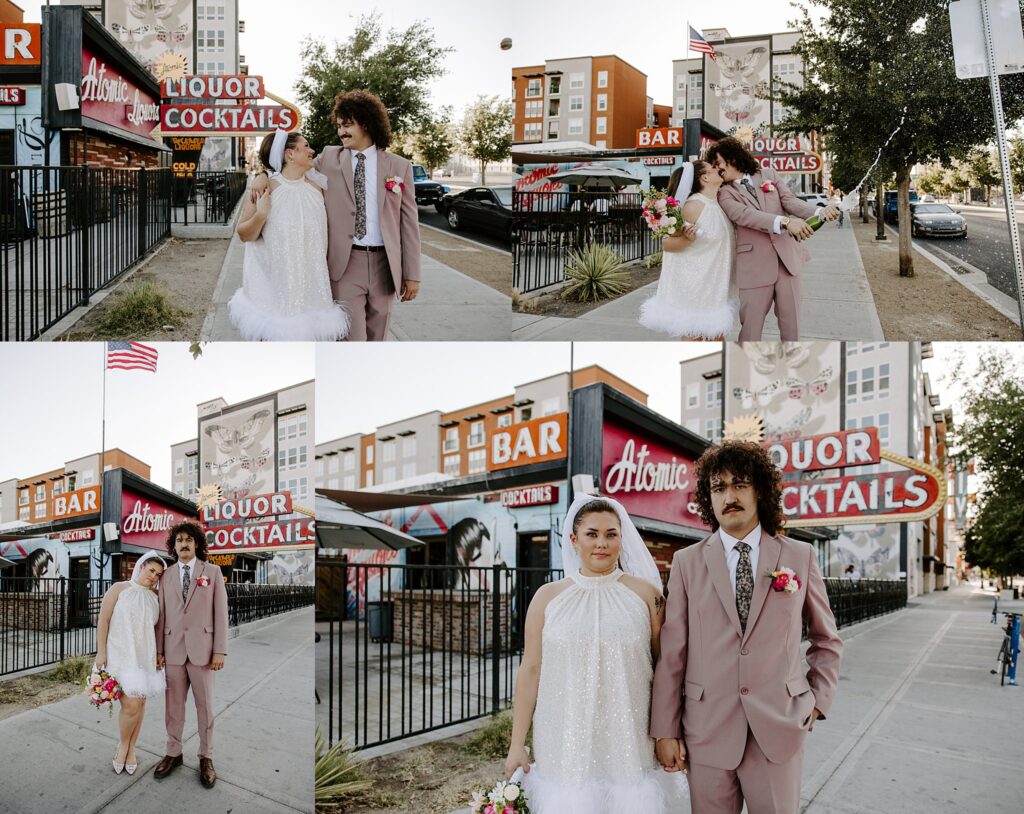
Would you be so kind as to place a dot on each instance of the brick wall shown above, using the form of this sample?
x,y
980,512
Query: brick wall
x,y
25,611
103,151
439,620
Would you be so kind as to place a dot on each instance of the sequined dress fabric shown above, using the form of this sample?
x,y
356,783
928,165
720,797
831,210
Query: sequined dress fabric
x,y
286,290
697,294
591,723
131,642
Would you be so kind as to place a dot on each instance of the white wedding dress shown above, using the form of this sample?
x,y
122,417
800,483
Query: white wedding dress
x,y
697,294
131,642
286,289
591,736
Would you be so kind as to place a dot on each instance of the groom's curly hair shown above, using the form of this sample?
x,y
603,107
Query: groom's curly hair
x,y
193,530
368,111
747,460
733,152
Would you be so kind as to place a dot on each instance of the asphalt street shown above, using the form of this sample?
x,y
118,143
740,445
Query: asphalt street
x,y
430,216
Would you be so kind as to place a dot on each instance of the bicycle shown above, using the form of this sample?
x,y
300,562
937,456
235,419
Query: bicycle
x,y
1009,649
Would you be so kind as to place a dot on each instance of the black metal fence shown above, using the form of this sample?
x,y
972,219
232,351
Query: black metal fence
x,y
547,226
43,621
207,197
66,232
407,649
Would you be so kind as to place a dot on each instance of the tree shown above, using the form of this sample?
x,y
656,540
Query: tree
x,y
434,141
870,65
1017,164
991,430
487,131
931,180
396,65
984,172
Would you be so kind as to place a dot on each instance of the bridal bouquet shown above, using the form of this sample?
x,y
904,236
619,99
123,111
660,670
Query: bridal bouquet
x,y
102,688
663,213
506,797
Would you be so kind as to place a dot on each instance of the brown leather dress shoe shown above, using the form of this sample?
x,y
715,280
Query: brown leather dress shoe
x,y
166,765
207,774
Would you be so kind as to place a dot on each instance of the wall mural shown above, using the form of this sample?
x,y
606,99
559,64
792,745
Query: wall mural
x,y
238,450
738,84
292,568
157,32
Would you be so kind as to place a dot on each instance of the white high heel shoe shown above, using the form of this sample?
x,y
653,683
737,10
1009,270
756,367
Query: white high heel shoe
x,y
131,767
118,767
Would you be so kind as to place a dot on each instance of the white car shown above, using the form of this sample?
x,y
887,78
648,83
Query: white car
x,y
928,199
816,198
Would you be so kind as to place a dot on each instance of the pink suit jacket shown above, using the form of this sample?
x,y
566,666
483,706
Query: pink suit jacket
x,y
758,248
712,682
399,216
196,629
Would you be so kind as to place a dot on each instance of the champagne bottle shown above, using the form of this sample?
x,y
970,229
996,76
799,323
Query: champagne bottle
x,y
815,222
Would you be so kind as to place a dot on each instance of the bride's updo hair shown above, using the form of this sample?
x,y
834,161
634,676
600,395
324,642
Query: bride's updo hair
x,y
268,142
593,507
699,168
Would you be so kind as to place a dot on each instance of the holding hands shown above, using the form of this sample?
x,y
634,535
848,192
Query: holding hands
x,y
671,754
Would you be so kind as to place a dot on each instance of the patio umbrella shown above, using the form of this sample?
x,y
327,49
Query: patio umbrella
x,y
338,526
595,177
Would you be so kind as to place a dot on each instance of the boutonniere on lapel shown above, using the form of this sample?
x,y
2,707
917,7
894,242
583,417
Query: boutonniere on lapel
x,y
394,184
767,187
203,582
784,580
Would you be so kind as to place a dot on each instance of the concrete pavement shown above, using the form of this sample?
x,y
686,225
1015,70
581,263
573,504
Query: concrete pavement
x,y
837,303
450,305
56,758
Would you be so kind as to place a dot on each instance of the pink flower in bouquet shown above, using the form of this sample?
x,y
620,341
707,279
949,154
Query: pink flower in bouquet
x,y
672,201
109,685
489,808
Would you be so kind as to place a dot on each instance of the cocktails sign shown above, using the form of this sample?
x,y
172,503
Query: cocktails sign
x,y
180,115
238,536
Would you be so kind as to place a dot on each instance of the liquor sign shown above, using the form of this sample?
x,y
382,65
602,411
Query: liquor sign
x,y
146,522
221,559
76,503
110,98
647,477
529,496
249,507
214,87
273,536
77,536
179,116
186,152
530,442
22,43
12,96
832,450
651,137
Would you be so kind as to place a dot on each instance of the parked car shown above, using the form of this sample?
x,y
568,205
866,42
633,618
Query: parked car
x,y
936,220
816,198
928,199
890,209
484,209
428,192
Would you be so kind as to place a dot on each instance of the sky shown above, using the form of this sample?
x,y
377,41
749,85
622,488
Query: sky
x,y
53,395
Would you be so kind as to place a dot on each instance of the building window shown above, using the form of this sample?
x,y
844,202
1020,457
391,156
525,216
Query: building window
x,y
452,465
867,384
319,468
602,125
713,428
505,420
179,467
883,380
41,492
389,450
23,497
713,393
451,439
409,447
680,81
193,465
369,477
531,131
292,458
40,510
389,474
408,471
692,396
348,460
526,413
602,79
550,406
575,127
292,427
851,387
575,104
333,464
602,101
883,429
369,455
535,109
553,130
693,425
533,88
58,487
576,81
23,514
554,107
554,85
350,481
298,487
477,461
601,144
476,434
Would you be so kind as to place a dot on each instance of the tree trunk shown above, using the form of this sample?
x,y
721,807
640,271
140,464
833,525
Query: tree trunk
x,y
483,173
903,211
880,211
863,206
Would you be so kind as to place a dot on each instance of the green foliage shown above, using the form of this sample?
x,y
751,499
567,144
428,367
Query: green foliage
x,y
74,670
984,171
1017,164
139,309
653,260
434,141
336,775
397,65
596,273
493,739
487,131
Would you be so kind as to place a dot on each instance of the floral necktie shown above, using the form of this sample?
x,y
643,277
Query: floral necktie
x,y
744,584
750,188
360,184
184,585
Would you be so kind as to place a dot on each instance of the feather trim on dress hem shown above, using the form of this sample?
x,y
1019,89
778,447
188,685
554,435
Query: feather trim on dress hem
x,y
707,323
656,792
254,323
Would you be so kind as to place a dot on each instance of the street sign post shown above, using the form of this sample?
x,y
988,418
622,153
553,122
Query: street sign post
x,y
999,25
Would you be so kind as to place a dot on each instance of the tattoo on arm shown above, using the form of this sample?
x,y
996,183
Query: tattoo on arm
x,y
659,603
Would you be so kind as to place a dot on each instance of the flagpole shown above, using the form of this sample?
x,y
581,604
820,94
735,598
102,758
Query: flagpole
x,y
103,422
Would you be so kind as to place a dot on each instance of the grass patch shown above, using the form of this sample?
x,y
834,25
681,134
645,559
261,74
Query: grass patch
x,y
73,670
140,309
653,260
492,740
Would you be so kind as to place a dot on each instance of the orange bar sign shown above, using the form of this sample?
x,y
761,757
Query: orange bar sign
x,y
542,439
21,43
651,137
74,504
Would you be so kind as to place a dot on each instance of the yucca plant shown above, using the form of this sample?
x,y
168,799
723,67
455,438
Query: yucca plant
x,y
595,273
336,774
653,260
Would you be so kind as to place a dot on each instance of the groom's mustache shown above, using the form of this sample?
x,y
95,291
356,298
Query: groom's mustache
x,y
732,507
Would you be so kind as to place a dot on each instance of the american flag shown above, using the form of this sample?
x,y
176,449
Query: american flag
x,y
131,356
701,45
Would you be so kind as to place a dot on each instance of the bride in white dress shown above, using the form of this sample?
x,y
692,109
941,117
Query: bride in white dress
x,y
126,648
585,678
697,296
286,289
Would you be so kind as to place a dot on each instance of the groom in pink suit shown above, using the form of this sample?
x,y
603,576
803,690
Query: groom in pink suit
x,y
731,701
770,225
191,642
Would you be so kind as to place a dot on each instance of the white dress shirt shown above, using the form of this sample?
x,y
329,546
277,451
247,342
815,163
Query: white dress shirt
x,y
373,236
778,218
732,554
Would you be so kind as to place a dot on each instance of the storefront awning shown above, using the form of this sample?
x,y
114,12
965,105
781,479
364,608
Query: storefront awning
x,y
379,501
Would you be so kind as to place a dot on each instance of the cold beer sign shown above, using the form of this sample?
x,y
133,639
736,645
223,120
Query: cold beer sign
x,y
242,527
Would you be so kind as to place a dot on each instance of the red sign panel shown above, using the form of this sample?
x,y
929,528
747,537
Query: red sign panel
x,y
110,98
77,536
146,522
799,163
647,477
12,96
22,43
248,507
225,119
213,87
529,496
892,495
262,536
833,450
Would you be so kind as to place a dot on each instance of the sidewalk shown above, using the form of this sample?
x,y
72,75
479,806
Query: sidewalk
x,y
57,758
837,303
450,305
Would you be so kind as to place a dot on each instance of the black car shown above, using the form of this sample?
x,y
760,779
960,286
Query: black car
x,y
484,209
428,193
936,220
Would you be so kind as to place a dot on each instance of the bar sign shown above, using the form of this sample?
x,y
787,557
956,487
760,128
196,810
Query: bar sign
x,y
12,96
